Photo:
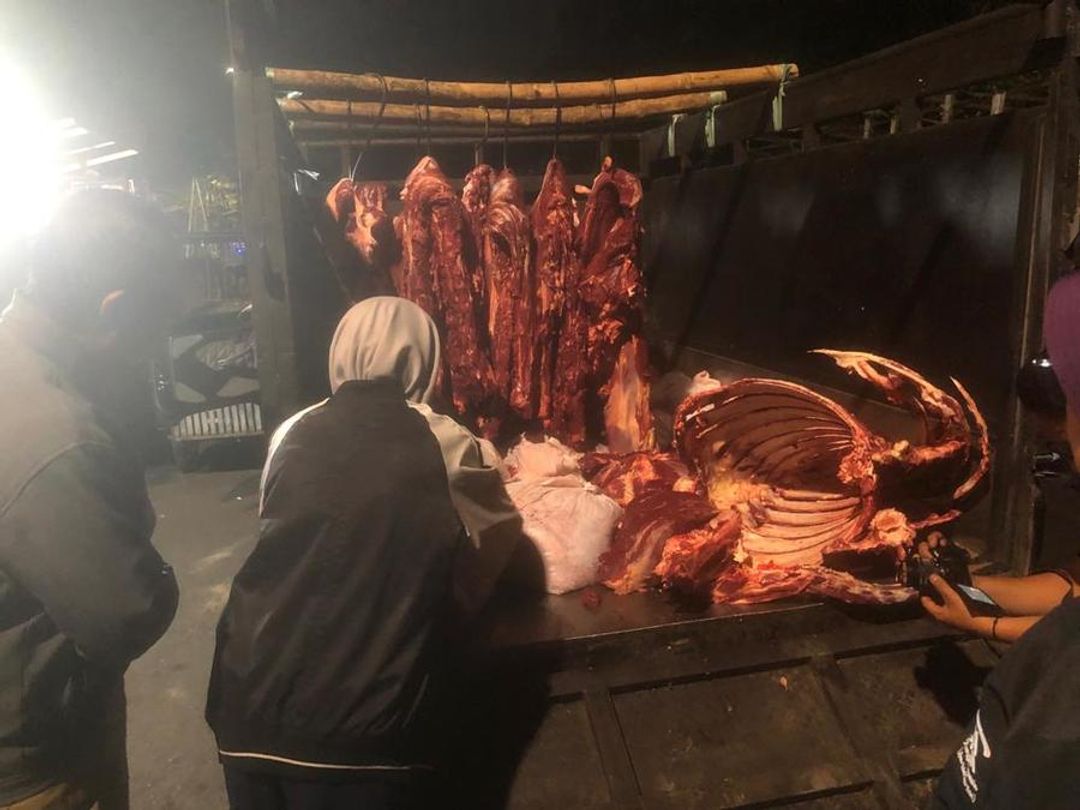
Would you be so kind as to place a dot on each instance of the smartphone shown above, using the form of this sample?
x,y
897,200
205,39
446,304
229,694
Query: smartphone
x,y
978,601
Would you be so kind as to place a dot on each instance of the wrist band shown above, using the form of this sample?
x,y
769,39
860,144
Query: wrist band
x,y
993,628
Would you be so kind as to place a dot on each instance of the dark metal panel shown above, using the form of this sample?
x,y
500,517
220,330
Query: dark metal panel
x,y
744,118
736,741
913,705
562,767
905,246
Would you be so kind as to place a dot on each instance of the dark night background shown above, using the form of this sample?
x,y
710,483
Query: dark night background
x,y
152,72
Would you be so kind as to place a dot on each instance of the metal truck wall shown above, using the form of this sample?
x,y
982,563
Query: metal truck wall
x,y
904,246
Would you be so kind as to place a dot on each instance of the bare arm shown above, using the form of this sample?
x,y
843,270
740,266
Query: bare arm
x,y
954,613
1008,628
1034,595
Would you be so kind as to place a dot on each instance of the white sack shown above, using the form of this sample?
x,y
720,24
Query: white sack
x,y
571,522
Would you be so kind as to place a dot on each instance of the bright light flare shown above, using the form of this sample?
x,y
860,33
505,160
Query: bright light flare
x,y
30,148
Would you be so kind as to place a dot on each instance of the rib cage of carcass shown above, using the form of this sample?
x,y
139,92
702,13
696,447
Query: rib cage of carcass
x,y
804,497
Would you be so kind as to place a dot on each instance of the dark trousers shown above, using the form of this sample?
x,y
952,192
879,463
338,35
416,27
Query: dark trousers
x,y
250,790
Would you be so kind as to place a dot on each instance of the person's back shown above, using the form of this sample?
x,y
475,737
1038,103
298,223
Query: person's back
x,y
82,591
331,638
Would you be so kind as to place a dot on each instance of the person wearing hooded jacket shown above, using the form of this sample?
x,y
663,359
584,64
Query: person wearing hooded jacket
x,y
380,519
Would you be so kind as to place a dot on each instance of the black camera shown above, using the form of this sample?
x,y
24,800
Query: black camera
x,y
951,564
946,560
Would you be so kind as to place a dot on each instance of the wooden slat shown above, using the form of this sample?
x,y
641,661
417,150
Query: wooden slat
x,y
998,44
986,47
370,87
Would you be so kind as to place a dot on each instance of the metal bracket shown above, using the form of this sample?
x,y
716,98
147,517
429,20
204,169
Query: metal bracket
x,y
671,133
710,127
778,101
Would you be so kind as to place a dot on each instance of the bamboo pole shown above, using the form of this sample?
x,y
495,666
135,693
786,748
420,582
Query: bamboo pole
x,y
419,114
410,140
370,87
305,129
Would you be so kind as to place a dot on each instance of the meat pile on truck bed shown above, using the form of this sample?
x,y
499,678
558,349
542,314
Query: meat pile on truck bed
x,y
777,490
541,316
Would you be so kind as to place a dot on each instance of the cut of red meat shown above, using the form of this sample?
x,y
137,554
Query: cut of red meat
x,y
612,289
558,396
475,198
744,585
647,524
693,560
568,421
628,421
624,478
359,211
510,295
436,275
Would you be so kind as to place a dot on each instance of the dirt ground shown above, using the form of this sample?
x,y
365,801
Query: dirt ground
x,y
206,527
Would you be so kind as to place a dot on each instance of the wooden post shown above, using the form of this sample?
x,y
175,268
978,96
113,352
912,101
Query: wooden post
x,y
262,215
1050,170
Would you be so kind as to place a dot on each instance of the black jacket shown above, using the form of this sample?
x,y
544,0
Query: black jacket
x,y
82,591
330,645
1023,749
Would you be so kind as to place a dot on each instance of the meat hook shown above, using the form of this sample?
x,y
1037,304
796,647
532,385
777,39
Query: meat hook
x,y
506,123
558,119
374,125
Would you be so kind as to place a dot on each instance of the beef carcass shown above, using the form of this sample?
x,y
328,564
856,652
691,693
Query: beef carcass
x,y
359,212
806,498
560,349
436,275
815,487
613,293
510,294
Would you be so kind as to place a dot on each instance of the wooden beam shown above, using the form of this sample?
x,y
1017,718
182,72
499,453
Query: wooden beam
x,y
1001,43
371,87
366,112
987,47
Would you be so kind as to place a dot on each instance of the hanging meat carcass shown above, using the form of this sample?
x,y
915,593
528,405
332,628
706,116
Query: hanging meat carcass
x,y
613,293
435,273
359,211
510,295
805,497
475,197
560,326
